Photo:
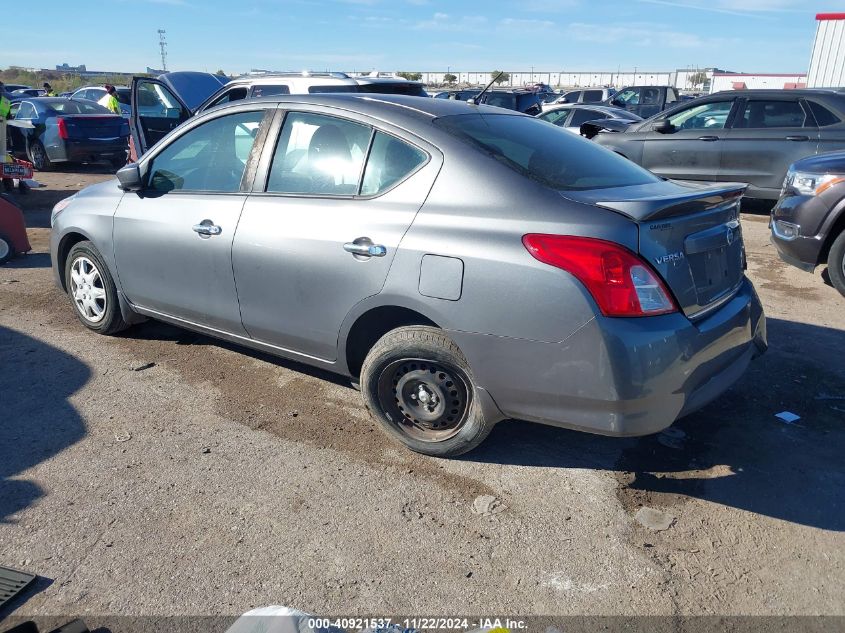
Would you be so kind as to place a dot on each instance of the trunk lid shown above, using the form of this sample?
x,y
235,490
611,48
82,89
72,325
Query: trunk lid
x,y
95,126
689,233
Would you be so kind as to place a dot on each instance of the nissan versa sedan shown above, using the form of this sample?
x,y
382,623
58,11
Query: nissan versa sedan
x,y
463,264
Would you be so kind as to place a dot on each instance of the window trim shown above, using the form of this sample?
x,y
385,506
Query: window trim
x,y
250,169
744,100
262,176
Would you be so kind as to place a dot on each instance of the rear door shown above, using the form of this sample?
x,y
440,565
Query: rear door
x,y
162,112
767,135
694,150
319,233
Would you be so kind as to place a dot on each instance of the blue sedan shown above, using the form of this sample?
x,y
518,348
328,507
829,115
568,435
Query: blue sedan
x,y
51,130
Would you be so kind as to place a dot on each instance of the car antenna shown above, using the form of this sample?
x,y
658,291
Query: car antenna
x,y
474,100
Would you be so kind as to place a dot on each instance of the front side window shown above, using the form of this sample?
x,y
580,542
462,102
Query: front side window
x,y
629,97
318,154
572,97
582,115
390,161
211,157
551,156
593,96
166,104
771,114
558,117
705,116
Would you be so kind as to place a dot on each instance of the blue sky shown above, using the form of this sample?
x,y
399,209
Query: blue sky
x,y
550,35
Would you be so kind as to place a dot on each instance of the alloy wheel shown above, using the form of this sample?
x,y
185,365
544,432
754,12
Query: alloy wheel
x,y
87,290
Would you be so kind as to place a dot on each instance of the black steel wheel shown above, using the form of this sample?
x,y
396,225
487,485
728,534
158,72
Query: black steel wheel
x,y
417,384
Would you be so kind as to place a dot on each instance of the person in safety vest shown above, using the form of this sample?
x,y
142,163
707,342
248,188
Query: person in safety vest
x,y
5,108
110,101
49,90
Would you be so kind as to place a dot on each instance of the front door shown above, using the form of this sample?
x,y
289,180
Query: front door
x,y
320,237
173,239
766,137
693,150
156,111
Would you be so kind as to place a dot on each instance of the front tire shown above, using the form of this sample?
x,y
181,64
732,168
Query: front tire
x,y
92,290
836,263
7,251
417,384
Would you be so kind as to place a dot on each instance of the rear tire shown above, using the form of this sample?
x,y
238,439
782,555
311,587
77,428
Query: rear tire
x,y
92,290
836,263
38,156
417,384
7,251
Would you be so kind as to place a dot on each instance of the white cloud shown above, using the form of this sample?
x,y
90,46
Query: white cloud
x,y
446,22
525,25
641,34
744,8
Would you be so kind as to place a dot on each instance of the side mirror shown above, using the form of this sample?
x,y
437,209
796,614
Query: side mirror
x,y
129,178
663,126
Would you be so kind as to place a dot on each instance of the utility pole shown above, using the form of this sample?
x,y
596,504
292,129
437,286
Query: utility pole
x,y
162,42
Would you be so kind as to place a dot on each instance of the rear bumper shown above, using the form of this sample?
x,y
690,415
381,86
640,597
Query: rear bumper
x,y
83,151
621,376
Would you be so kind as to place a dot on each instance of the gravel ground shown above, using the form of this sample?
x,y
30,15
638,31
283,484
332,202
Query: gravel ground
x,y
220,479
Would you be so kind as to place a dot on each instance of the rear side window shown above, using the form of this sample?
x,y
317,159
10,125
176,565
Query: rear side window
x,y
268,91
822,115
771,114
235,94
549,155
319,155
558,117
26,111
592,96
573,96
390,162
335,88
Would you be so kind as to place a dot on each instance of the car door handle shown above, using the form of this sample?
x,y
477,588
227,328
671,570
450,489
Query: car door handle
x,y
206,227
798,137
364,247
708,138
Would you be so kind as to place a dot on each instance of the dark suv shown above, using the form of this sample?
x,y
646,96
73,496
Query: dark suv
x,y
808,222
526,101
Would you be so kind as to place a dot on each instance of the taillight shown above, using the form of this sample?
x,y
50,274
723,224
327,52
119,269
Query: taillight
x,y
62,127
621,283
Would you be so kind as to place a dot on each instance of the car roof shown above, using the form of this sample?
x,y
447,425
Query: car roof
x,y
780,92
392,107
269,78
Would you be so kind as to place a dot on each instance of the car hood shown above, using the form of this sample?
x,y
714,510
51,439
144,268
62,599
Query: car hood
x,y
830,163
193,87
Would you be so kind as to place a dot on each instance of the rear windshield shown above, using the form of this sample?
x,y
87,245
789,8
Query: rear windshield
x,y
547,154
77,107
388,88
124,95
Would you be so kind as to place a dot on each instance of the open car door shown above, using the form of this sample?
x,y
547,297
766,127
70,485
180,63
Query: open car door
x,y
156,110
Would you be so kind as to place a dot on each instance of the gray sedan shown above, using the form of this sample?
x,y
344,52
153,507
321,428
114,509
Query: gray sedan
x,y
463,264
750,136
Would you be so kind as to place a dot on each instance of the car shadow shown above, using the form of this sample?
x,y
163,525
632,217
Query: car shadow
x,y
38,421
159,331
733,452
30,260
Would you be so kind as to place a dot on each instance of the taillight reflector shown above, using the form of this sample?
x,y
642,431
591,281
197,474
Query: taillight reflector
x,y
620,282
62,127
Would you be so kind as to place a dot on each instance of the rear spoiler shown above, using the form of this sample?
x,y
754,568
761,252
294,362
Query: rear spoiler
x,y
663,199
591,128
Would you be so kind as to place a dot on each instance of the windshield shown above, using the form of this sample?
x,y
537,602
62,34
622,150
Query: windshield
x,y
549,155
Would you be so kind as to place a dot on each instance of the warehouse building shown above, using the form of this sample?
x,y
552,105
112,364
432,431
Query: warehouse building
x,y
745,81
827,62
